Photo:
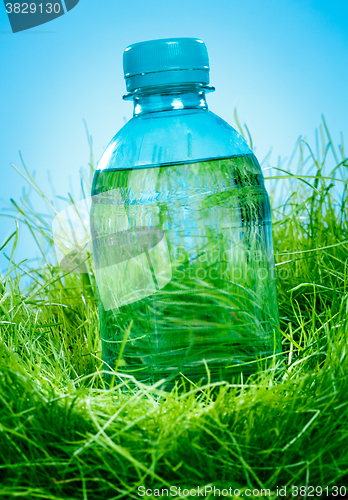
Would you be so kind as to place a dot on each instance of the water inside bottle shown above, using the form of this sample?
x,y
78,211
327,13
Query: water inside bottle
x,y
185,269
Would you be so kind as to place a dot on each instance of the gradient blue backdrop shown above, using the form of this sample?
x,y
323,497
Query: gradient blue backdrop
x,y
282,63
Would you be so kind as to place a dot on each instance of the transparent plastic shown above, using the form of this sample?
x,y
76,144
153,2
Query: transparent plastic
x,y
182,244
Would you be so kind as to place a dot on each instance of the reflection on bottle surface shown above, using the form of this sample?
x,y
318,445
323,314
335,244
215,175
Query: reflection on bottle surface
x,y
184,252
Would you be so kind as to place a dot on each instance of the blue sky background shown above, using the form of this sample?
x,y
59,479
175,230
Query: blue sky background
x,y
281,63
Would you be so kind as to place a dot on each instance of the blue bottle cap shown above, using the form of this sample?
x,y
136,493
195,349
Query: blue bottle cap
x,y
164,62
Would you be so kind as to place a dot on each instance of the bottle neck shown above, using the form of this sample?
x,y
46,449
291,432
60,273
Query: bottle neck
x,y
168,98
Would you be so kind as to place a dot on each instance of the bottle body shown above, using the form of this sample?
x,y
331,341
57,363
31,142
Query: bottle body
x,y
182,243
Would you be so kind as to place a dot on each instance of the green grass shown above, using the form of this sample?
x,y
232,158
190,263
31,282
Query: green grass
x,y
64,435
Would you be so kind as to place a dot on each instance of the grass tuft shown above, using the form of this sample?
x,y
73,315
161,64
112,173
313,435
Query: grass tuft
x,y
65,435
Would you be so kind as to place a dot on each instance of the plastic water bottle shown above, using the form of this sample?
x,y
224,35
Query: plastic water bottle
x,y
181,230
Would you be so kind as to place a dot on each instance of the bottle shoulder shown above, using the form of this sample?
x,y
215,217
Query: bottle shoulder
x,y
172,137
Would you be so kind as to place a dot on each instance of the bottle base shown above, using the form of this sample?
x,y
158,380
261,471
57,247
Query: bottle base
x,y
198,374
